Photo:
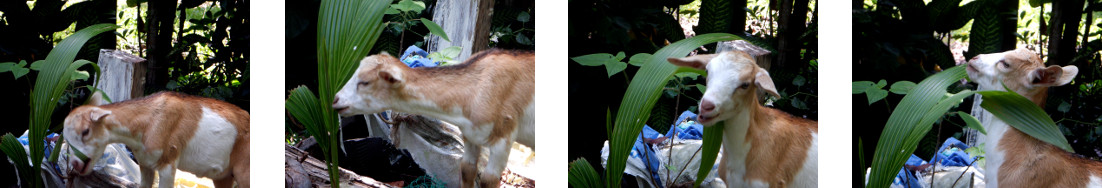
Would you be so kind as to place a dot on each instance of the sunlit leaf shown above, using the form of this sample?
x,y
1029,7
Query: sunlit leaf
x,y
435,29
902,87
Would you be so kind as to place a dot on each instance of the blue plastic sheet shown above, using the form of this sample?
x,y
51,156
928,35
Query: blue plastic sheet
x,y
685,130
951,153
416,57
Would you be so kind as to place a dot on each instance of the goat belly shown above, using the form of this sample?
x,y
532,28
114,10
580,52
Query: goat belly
x,y
208,151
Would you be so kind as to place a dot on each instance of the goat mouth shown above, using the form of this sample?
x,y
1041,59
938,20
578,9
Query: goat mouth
x,y
705,118
340,110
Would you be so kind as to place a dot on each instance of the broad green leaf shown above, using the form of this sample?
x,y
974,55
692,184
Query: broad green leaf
x,y
347,30
18,71
701,88
902,87
641,95
713,138
638,59
799,81
6,66
79,75
1024,115
882,83
37,65
52,80
799,104
523,39
620,56
614,67
451,52
972,122
687,75
592,59
874,94
435,29
860,87
391,10
904,130
15,152
523,16
1064,107
582,175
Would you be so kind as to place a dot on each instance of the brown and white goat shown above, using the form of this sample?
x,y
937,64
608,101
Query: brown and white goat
x,y
490,97
1015,159
166,131
763,147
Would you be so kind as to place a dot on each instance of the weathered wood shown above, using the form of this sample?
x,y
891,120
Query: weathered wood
x,y
122,75
761,55
304,170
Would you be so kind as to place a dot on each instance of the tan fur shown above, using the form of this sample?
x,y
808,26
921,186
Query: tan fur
x,y
165,121
779,144
1030,162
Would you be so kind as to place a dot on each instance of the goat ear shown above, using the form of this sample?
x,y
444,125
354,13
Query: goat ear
x,y
97,114
391,76
696,61
1053,76
765,83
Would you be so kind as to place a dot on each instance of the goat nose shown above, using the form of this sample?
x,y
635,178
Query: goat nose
x,y
707,106
335,100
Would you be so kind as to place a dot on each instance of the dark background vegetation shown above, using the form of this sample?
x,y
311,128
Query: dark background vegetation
x,y
898,40
786,27
198,47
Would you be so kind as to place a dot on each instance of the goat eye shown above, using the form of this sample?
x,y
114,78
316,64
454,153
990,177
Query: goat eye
x,y
364,83
1003,63
85,132
744,85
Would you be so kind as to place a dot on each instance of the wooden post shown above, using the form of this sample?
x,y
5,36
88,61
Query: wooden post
x,y
122,75
761,55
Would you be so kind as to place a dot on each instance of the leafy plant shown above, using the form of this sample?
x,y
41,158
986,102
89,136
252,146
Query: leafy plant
x,y
507,32
640,98
55,74
408,11
347,30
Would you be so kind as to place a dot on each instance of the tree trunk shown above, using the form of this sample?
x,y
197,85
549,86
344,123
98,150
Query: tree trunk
x,y
792,18
1064,25
482,29
161,14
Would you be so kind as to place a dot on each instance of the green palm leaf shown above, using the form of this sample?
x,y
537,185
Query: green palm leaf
x,y
912,118
1025,116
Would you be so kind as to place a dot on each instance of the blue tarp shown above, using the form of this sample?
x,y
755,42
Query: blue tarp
x,y
951,153
416,57
686,130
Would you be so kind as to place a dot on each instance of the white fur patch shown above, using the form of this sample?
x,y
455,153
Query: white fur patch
x,y
1095,181
208,151
808,176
